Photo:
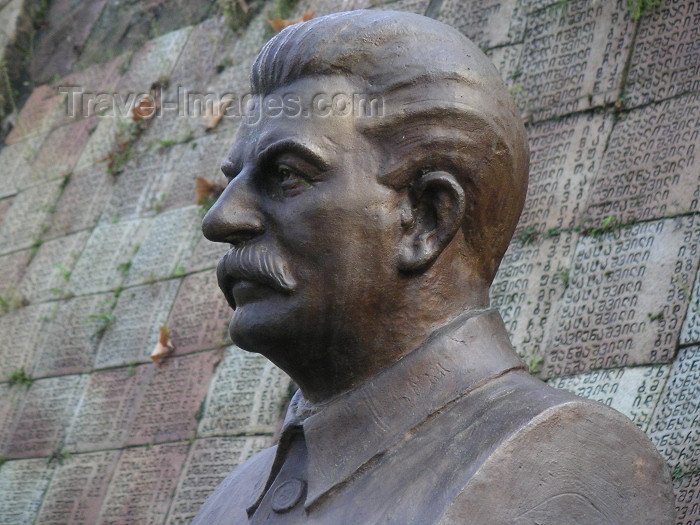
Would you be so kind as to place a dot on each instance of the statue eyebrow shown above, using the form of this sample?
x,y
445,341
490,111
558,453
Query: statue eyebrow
x,y
291,146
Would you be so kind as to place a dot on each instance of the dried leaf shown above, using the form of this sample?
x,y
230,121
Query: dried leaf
x,y
278,24
207,190
214,112
163,348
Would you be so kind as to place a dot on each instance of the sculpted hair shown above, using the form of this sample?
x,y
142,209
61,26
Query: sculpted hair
x,y
445,107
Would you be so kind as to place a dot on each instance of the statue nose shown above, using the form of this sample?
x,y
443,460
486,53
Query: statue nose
x,y
234,217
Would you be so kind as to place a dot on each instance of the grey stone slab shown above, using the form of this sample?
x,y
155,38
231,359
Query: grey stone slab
x,y
104,137
138,316
200,316
675,424
47,411
687,491
82,202
106,409
5,204
73,334
488,23
21,333
529,289
327,7
138,192
649,170
246,396
565,155
143,484
59,152
413,6
205,255
665,60
624,304
690,333
77,489
507,61
169,239
28,218
34,118
200,158
172,394
105,258
634,391
209,461
16,160
22,485
13,267
11,397
154,61
574,56
48,274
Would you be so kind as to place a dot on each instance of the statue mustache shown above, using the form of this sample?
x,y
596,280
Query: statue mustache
x,y
254,263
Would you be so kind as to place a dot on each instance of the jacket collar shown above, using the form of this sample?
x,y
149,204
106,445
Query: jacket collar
x,y
346,432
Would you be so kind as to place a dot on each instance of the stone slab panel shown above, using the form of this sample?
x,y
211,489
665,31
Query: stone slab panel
x,y
103,138
650,169
106,409
105,258
154,61
72,335
34,117
11,398
200,316
666,56
77,489
47,411
82,202
138,316
690,333
16,160
200,158
687,491
624,305
5,204
633,391
22,484
21,333
327,7
59,152
169,238
507,61
139,190
171,398
488,23
565,155
143,484
574,56
48,274
205,255
28,218
13,267
210,460
412,6
246,396
675,424
529,289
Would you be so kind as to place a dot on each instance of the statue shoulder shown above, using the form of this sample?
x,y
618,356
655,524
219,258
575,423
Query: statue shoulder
x,y
228,503
576,462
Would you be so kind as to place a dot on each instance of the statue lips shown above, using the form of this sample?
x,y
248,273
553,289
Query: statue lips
x,y
247,267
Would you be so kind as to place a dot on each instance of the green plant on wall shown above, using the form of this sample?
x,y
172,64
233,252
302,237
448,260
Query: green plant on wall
x,y
639,8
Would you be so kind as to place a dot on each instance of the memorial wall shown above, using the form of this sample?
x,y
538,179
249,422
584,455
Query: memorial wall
x,y
102,257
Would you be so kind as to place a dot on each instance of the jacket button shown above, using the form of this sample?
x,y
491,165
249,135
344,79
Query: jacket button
x,y
287,495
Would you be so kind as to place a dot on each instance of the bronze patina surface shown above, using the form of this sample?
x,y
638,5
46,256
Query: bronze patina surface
x,y
373,189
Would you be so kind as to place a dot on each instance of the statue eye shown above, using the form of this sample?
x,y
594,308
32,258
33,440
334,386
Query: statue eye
x,y
290,181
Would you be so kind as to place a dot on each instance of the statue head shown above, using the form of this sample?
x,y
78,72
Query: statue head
x,y
373,192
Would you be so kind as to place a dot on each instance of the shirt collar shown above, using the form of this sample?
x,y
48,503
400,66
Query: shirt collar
x,y
346,432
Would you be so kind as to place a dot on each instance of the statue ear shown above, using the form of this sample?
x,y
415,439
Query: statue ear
x,y
437,206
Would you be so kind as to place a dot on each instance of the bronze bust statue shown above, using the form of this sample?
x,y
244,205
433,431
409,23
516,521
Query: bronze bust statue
x,y
373,190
